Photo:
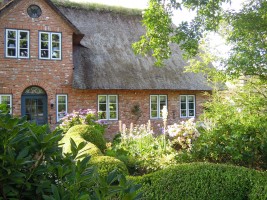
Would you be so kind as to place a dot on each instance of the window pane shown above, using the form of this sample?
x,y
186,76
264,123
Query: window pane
x,y
5,100
11,52
44,45
183,98
154,114
55,37
112,99
102,115
11,43
56,54
44,37
113,115
61,99
44,53
154,99
191,113
102,99
112,107
191,105
102,107
183,113
183,105
191,98
11,34
154,107
62,108
23,35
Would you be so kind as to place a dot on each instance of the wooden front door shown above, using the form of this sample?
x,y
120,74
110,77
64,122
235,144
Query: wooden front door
x,y
34,105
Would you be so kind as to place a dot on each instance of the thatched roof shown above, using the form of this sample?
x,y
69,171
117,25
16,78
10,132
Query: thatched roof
x,y
106,59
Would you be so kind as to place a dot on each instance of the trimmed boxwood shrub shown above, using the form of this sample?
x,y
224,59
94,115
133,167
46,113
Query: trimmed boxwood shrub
x,y
89,149
202,181
90,134
106,164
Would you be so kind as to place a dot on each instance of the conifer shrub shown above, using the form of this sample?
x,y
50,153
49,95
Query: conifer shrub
x,y
106,164
203,181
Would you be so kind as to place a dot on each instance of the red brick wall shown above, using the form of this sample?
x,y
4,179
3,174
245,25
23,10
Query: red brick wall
x,y
84,99
18,74
55,77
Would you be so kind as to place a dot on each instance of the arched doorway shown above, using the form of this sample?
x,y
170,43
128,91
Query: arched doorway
x,y
34,105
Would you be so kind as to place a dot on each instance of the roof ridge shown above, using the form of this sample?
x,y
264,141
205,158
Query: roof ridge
x,y
98,7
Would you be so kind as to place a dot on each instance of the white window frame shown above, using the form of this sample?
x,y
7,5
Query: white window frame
x,y
57,104
17,44
187,106
50,45
7,95
158,106
107,106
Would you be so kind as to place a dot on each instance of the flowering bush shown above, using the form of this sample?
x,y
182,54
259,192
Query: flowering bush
x,y
141,150
183,134
82,116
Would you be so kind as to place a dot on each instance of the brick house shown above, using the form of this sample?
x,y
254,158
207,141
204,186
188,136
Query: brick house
x,y
56,58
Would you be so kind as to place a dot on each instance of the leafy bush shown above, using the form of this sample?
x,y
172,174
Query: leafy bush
x,y
32,165
202,181
235,128
88,133
141,150
106,164
183,134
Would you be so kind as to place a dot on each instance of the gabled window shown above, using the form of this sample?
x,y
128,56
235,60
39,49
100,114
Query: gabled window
x,y
62,106
187,106
50,45
7,100
17,43
108,107
156,105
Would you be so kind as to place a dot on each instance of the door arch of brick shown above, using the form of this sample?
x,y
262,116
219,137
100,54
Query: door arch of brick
x,y
34,104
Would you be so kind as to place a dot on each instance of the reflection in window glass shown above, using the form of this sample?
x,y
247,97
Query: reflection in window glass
x,y
7,100
108,107
156,105
62,106
187,106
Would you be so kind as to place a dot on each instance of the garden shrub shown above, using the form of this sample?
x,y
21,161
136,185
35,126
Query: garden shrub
x,y
32,166
202,181
90,134
141,150
234,128
106,164
89,148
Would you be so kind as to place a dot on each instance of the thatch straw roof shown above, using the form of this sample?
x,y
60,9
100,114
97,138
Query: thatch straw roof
x,y
106,59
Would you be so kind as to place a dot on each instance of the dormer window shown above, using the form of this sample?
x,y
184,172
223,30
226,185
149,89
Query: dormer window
x,y
17,43
50,45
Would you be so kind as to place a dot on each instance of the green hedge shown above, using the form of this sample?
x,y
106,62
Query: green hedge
x,y
106,164
89,133
203,181
89,149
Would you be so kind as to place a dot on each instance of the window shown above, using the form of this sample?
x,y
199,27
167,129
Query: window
x,y
187,105
156,105
108,107
6,99
50,45
62,106
17,43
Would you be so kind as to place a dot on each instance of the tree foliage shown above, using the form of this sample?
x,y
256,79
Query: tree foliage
x,y
246,32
